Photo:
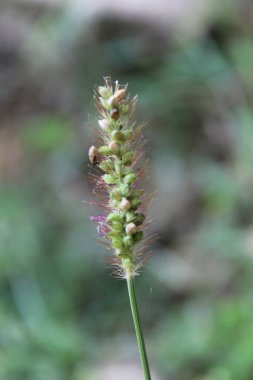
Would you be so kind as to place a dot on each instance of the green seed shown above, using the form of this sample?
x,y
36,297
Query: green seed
x,y
137,193
117,243
117,136
138,236
130,178
107,165
114,216
115,194
105,150
117,226
125,190
139,219
127,158
109,179
130,216
135,203
117,166
128,241
114,203
125,108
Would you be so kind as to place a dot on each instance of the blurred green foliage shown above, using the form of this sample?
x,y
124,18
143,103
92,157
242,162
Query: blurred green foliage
x,y
61,315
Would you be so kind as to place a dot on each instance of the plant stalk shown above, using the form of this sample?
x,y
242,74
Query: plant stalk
x,y
137,326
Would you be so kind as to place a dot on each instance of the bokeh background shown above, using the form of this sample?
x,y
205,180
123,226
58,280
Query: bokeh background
x,y
62,316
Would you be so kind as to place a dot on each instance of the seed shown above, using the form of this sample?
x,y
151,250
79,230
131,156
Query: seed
x,y
125,204
113,146
131,228
130,178
93,154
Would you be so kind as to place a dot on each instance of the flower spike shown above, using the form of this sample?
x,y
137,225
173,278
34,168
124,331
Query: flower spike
x,y
123,227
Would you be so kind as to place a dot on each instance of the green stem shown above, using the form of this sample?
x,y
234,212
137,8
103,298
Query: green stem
x,y
137,326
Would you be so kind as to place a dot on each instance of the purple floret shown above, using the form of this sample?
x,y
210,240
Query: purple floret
x,y
100,221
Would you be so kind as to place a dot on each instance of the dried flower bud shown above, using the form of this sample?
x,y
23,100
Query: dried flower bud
x,y
114,113
131,228
104,124
93,154
125,204
120,94
113,146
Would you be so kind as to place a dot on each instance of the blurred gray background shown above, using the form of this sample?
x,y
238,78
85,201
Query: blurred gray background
x,y
62,315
